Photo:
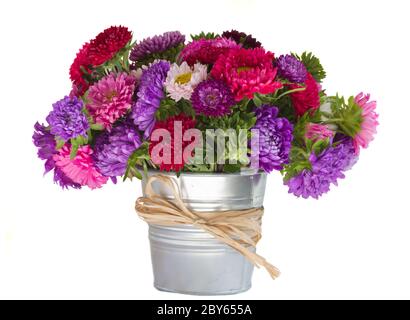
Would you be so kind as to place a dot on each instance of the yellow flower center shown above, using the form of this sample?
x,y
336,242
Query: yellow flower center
x,y
110,95
183,78
240,69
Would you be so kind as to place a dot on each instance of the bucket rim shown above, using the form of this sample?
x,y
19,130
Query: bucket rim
x,y
245,172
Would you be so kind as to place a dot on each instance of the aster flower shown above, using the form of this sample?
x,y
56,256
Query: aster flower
x,y
107,44
112,152
80,70
81,169
67,119
325,170
182,80
110,98
46,145
307,99
166,158
247,71
291,68
149,48
212,98
206,51
316,131
247,41
275,138
96,52
368,124
150,93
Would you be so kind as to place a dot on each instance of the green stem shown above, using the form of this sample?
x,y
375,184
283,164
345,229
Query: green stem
x,y
289,92
334,121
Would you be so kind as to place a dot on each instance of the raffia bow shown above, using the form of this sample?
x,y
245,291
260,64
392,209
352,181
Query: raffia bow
x,y
239,229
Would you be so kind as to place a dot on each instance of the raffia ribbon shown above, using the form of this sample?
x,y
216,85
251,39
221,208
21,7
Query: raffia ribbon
x,y
238,229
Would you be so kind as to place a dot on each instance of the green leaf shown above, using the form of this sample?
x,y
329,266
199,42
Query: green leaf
x,y
137,158
185,107
59,143
347,116
74,149
203,35
257,100
97,127
231,168
312,64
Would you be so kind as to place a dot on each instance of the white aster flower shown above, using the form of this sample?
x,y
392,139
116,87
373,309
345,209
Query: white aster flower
x,y
182,80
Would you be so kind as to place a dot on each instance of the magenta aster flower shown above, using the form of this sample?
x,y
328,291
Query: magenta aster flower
x,y
206,51
110,98
247,71
325,170
212,98
156,45
46,144
81,169
67,119
369,122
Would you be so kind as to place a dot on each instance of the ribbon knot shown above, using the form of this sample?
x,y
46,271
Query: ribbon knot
x,y
199,222
239,229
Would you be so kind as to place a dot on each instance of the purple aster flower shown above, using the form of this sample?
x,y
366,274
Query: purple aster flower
x,y
111,151
325,170
275,137
46,145
150,93
291,68
247,41
156,44
67,119
212,98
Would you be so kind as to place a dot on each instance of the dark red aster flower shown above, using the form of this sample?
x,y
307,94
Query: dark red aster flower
x,y
167,147
107,44
246,40
96,52
307,99
79,69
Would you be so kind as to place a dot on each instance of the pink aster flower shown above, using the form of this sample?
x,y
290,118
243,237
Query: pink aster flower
x,y
247,71
369,122
81,169
316,131
110,98
206,51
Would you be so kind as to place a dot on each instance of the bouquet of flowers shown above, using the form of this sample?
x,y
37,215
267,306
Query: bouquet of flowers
x,y
219,103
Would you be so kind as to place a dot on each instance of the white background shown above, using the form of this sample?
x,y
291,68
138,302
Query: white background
x,y
353,243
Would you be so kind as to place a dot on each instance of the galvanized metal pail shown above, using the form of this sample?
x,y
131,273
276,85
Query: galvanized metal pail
x,y
187,259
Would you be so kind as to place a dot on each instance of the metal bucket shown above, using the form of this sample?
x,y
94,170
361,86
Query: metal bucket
x,y
187,259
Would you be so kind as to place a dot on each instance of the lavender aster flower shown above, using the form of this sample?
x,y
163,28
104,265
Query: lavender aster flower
x,y
67,119
291,68
150,93
46,145
212,98
156,44
112,151
275,137
326,169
